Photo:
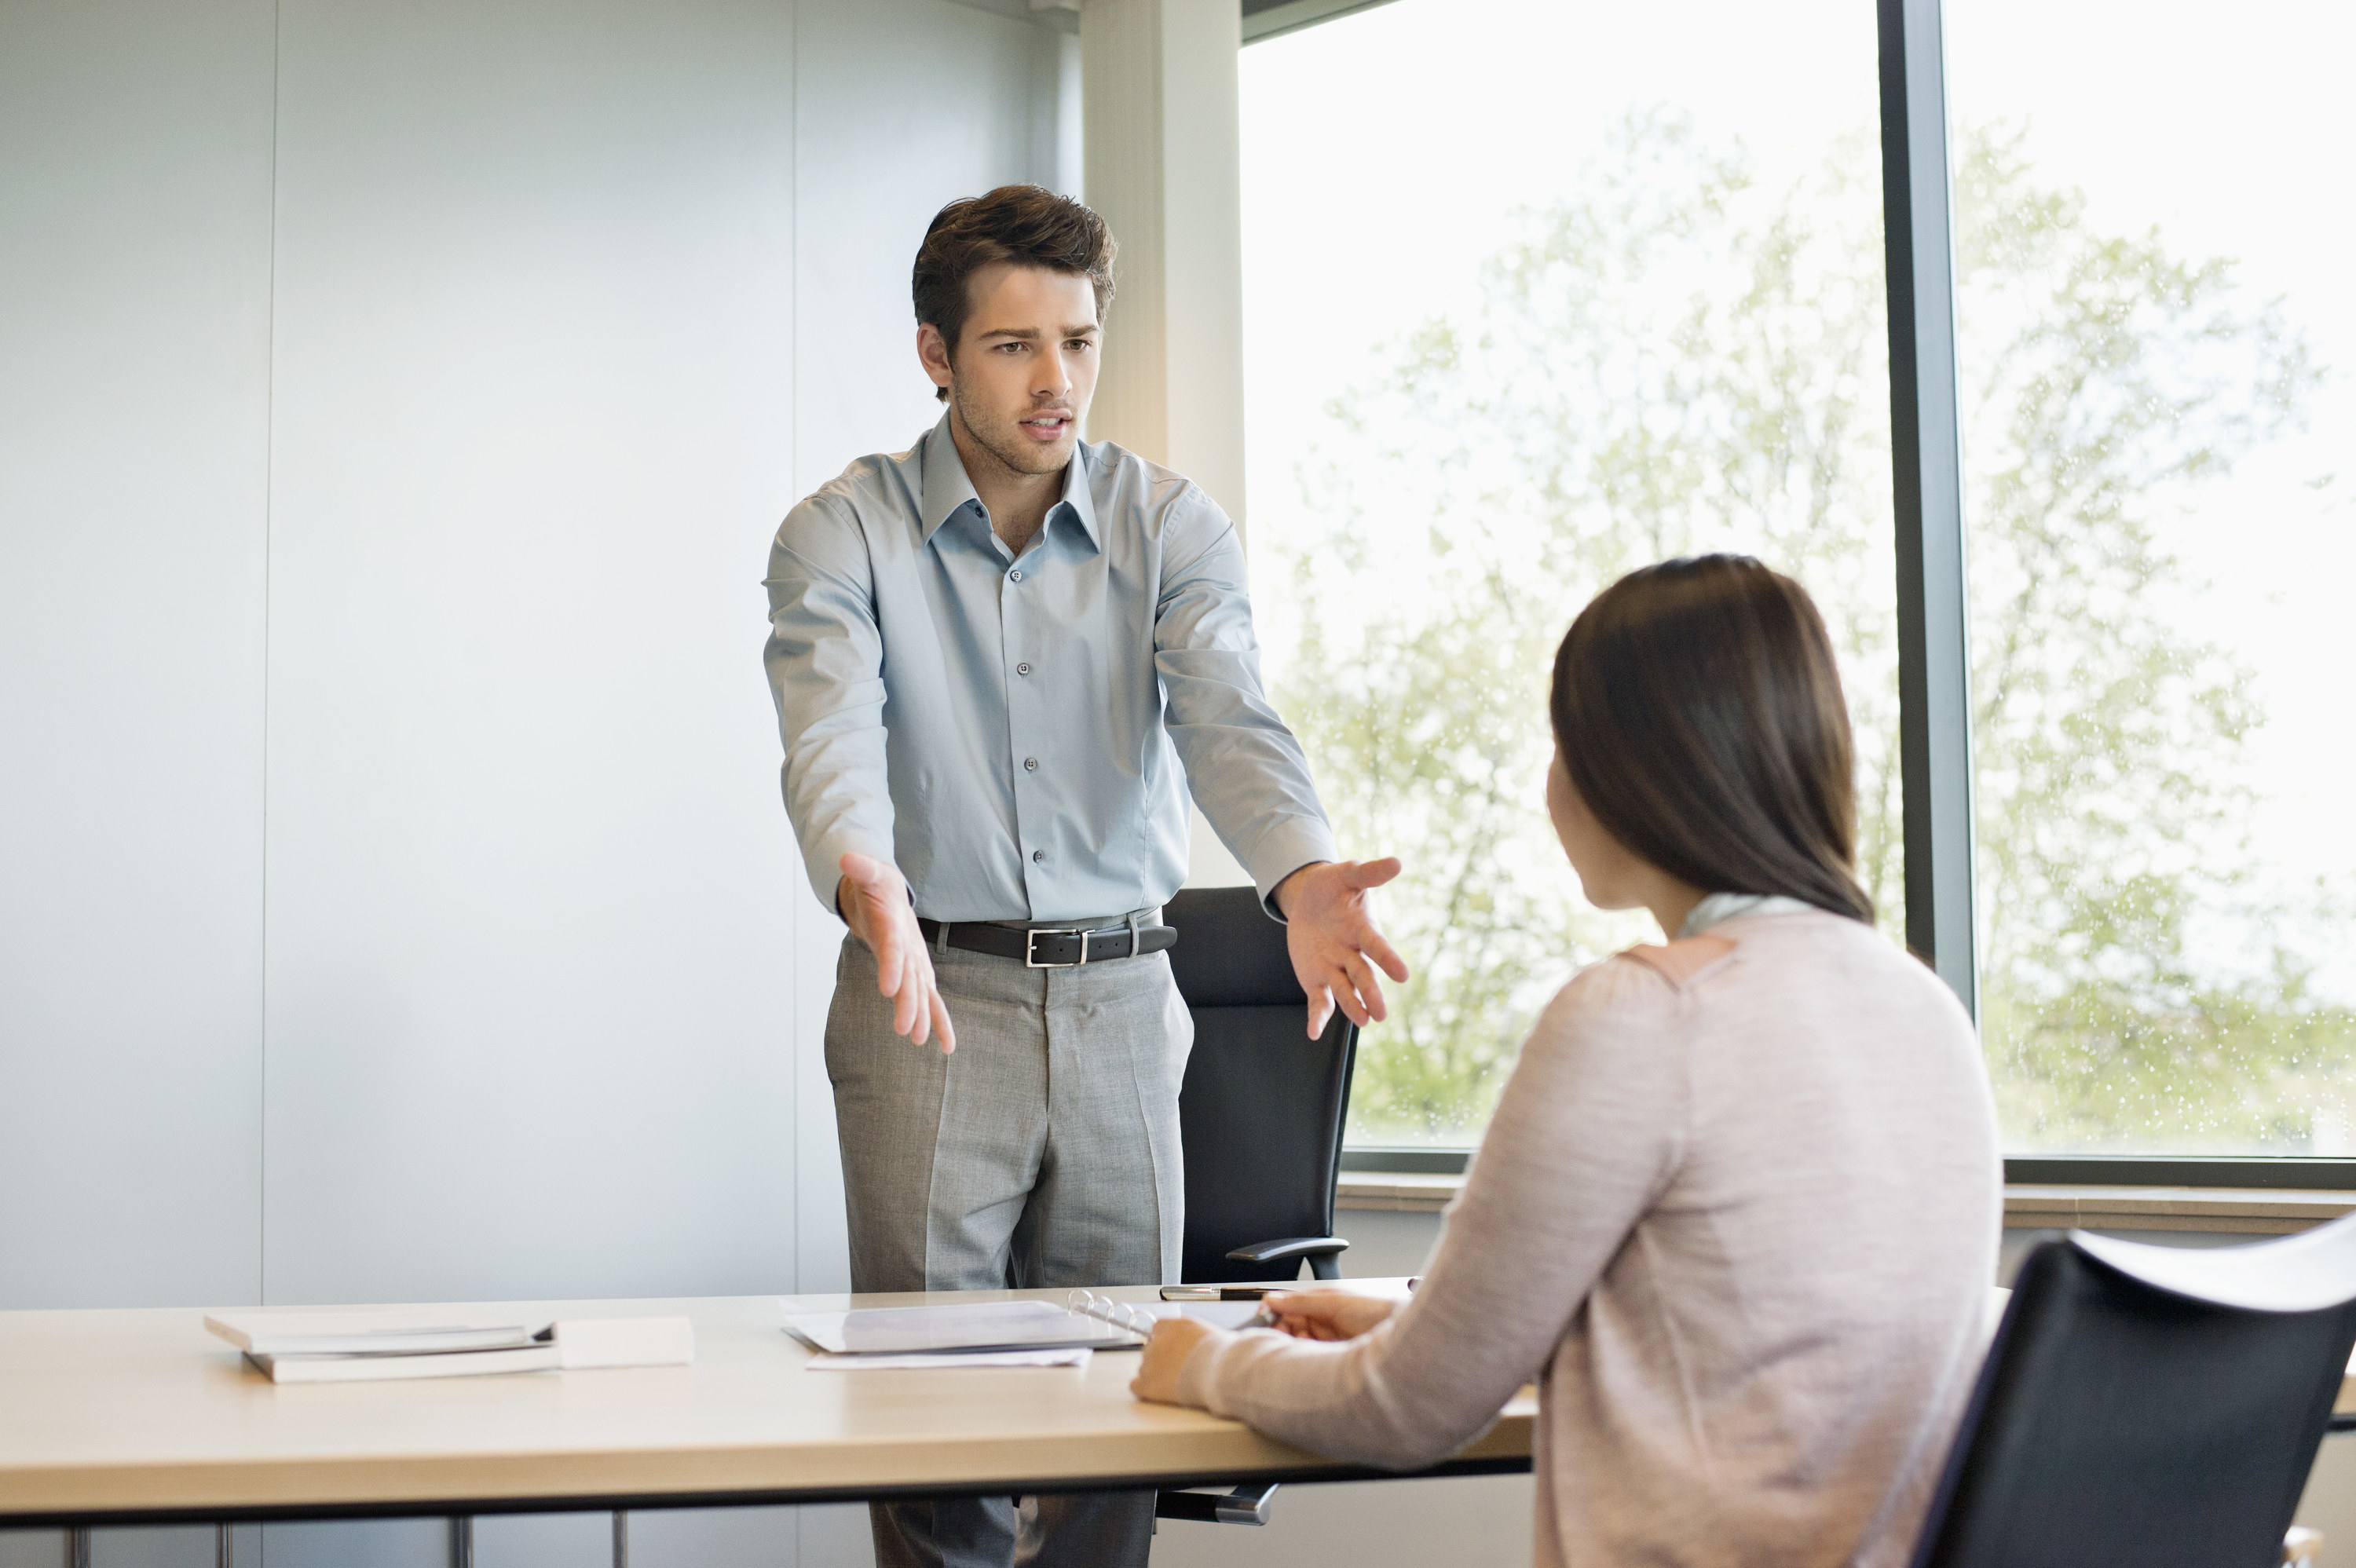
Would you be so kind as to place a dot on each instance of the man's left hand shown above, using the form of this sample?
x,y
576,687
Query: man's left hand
x,y
1330,931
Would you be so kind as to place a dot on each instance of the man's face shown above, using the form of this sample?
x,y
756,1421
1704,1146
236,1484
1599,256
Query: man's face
x,y
1026,367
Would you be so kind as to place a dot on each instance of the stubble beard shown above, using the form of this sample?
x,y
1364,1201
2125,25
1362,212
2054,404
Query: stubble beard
x,y
1009,446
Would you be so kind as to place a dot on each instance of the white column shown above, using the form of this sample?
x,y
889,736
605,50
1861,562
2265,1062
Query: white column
x,y
1160,105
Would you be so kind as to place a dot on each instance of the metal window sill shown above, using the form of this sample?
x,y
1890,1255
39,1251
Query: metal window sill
x,y
2253,1210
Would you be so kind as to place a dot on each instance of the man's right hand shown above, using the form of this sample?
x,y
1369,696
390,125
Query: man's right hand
x,y
873,899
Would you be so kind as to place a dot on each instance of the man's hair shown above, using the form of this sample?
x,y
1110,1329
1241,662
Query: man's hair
x,y
1017,223
1699,714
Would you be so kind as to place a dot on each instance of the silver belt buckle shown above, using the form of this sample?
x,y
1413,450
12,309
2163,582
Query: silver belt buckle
x,y
1031,946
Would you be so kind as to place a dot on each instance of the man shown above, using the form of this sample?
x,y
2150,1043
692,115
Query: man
x,y
991,656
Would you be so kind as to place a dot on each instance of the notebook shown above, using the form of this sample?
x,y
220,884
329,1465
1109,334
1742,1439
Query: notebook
x,y
311,1347
368,1331
295,1369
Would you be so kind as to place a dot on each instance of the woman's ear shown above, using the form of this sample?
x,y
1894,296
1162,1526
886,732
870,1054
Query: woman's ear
x,y
1563,805
1610,875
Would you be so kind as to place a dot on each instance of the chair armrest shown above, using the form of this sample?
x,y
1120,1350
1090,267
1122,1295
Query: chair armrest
x,y
1248,1504
1289,1248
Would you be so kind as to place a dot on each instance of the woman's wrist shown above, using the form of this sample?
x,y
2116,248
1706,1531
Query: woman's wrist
x,y
1173,1348
1194,1372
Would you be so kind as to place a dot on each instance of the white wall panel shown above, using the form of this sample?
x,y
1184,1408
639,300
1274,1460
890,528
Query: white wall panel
x,y
549,1540
701,1538
429,379
903,105
530,1000
134,329
366,1543
169,1546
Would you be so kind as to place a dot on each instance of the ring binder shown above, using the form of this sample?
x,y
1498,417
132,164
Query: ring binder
x,y
1139,1319
1123,1315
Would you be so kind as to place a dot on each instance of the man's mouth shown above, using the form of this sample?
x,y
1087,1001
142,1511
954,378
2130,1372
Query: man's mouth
x,y
1047,427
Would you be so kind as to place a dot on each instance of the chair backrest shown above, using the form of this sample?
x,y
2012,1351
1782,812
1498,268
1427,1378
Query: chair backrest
x,y
2152,1405
1260,1114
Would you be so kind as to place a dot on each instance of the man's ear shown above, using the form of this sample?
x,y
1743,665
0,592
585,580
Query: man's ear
x,y
932,352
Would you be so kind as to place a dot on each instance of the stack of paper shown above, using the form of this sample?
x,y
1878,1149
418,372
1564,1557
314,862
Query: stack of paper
x,y
963,1329
356,1344
980,1334
827,1361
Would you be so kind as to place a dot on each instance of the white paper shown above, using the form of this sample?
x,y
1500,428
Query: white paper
x,y
965,1327
626,1341
1228,1315
828,1362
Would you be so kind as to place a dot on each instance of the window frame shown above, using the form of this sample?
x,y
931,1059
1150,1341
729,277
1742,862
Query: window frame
x,y
1934,650
2288,1172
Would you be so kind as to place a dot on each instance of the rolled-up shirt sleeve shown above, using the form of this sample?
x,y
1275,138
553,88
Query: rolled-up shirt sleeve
x,y
825,662
1246,769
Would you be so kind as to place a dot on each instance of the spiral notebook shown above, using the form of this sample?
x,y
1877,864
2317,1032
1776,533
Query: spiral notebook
x,y
1084,1320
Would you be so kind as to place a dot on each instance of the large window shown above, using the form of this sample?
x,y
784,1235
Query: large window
x,y
1539,290
2156,329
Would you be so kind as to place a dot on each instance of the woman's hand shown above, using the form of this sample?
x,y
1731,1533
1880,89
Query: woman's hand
x,y
1304,1315
1173,1339
1326,1314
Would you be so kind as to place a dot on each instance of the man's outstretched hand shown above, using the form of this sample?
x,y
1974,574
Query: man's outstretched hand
x,y
873,899
1329,931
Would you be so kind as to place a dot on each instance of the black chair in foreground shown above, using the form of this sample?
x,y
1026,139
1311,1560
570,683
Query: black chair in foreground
x,y
1260,1119
1261,1113
2153,1405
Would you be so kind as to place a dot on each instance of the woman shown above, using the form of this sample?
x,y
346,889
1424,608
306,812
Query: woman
x,y
1737,1212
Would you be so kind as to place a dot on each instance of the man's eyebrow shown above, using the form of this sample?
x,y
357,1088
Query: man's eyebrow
x,y
1030,334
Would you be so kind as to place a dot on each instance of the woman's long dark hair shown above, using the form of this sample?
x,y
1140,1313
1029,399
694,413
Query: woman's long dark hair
x,y
1699,713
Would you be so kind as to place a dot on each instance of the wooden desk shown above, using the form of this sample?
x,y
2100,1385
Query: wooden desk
x,y
143,1417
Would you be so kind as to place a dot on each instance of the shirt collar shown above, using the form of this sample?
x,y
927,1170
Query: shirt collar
x,y
1719,907
941,475
944,487
1079,494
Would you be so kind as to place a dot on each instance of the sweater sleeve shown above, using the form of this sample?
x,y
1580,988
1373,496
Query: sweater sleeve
x,y
1589,1131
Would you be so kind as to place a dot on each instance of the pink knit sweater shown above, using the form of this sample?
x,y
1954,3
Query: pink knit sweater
x,y
1737,1215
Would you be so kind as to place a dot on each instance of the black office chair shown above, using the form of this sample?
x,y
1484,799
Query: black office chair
x,y
1260,1118
1261,1113
2152,1405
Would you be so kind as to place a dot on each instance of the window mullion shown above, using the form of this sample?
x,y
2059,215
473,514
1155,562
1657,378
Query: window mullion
x,y
1933,658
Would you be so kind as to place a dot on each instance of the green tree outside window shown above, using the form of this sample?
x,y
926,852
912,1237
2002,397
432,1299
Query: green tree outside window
x,y
1683,357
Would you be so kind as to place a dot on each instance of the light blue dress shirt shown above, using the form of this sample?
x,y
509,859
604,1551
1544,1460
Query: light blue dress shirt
x,y
1011,731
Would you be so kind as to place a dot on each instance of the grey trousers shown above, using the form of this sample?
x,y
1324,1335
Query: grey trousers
x,y
1044,1153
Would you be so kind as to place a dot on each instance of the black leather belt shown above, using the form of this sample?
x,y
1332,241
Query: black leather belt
x,y
1053,948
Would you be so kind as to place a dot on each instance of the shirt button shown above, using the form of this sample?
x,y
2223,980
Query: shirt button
x,y
1038,857
1031,764
1016,574
1022,669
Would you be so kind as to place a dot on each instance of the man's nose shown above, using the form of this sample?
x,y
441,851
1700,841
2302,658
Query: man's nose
x,y
1051,381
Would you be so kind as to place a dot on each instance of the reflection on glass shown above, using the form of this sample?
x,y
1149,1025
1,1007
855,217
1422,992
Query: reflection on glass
x,y
1533,298
2150,307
